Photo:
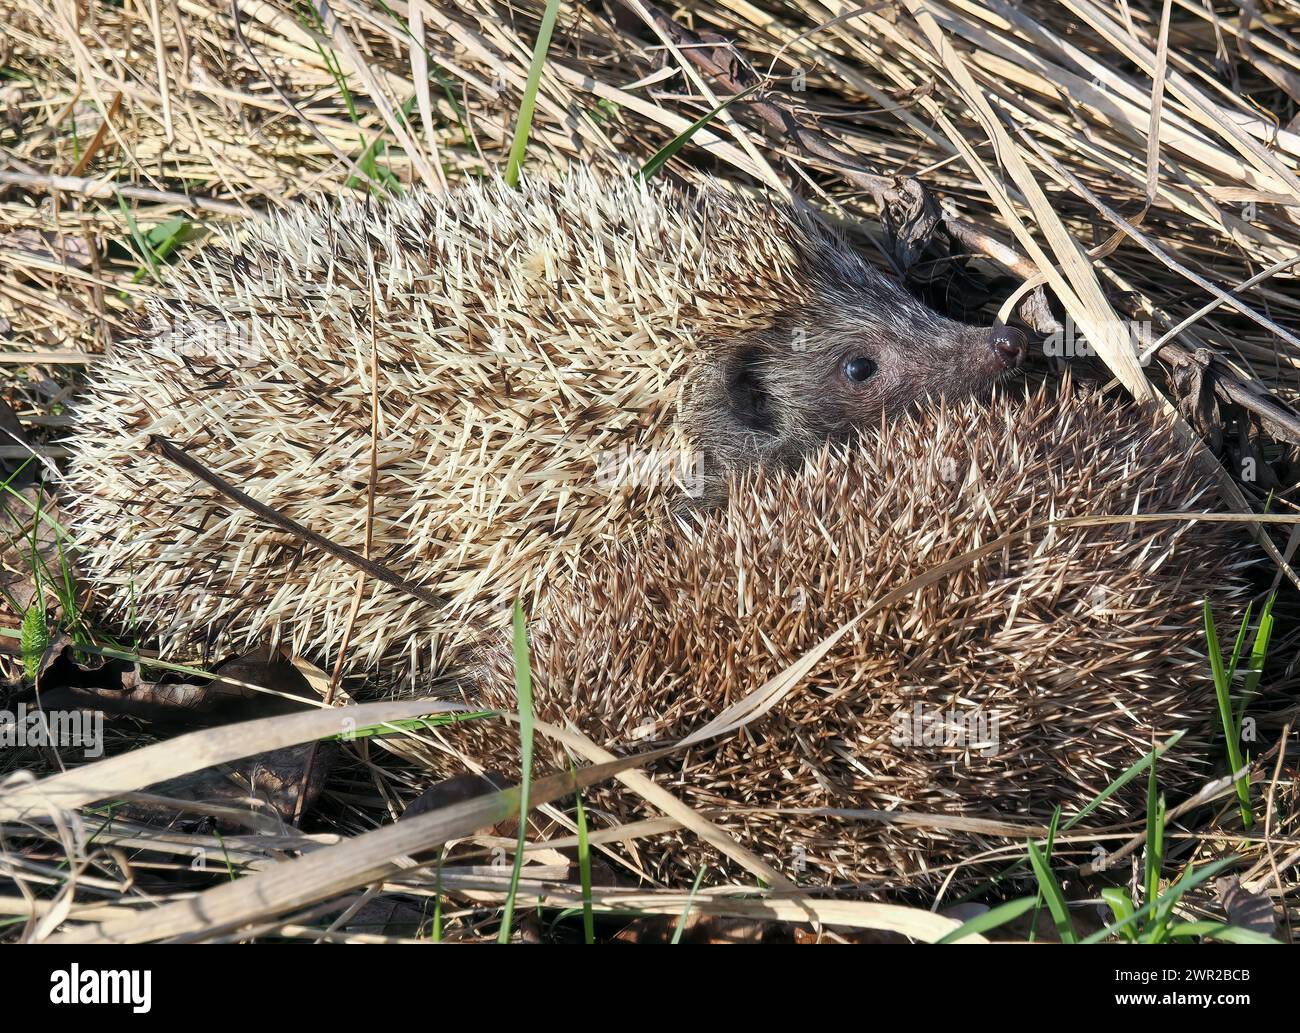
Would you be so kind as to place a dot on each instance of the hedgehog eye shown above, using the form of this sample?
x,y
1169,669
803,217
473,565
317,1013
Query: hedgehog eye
x,y
859,368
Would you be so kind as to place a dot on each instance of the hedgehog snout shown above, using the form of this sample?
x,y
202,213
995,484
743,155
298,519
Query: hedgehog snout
x,y
1009,345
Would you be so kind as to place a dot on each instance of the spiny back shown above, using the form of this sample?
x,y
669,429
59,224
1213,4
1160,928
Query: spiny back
x,y
1022,679
525,341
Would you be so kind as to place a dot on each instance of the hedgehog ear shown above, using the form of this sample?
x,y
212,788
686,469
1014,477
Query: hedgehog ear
x,y
748,393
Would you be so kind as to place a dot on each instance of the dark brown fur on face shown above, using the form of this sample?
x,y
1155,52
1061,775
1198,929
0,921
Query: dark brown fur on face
x,y
860,352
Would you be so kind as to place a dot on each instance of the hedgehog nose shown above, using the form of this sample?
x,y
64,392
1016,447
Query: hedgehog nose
x,y
1009,344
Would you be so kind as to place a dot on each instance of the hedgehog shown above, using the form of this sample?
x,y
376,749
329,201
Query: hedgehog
x,y
1021,681
549,363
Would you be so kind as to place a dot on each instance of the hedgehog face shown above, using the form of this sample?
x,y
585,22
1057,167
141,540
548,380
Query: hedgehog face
x,y
833,374
857,375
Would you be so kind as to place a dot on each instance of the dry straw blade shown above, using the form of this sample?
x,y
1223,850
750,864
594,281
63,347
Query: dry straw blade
x,y
364,859
194,751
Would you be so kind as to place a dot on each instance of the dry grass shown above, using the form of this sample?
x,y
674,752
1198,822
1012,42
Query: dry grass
x,y
127,131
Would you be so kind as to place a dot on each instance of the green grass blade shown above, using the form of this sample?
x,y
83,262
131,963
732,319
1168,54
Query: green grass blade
x,y
42,575
1131,773
991,919
524,126
437,898
1191,879
1154,856
1047,856
584,870
41,515
690,903
1219,931
66,590
1239,642
1122,780
1226,718
412,724
665,153
1258,654
400,23
1051,890
524,691
152,263
1121,906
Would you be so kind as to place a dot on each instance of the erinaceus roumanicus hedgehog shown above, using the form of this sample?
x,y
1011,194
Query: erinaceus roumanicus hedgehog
x,y
1029,678
550,361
